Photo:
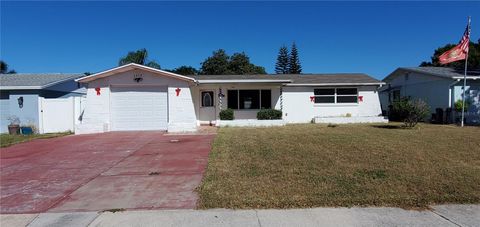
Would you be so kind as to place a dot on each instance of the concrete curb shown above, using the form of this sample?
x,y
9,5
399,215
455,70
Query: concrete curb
x,y
442,215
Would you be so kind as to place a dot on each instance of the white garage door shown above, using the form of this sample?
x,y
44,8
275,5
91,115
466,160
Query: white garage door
x,y
139,108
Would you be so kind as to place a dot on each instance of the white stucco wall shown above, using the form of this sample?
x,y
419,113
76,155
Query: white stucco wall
x,y
28,114
298,108
96,117
181,111
4,114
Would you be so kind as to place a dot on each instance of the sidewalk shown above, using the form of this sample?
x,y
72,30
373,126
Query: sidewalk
x,y
443,215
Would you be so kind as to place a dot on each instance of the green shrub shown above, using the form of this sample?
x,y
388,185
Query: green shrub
x,y
269,114
227,114
459,105
398,109
410,111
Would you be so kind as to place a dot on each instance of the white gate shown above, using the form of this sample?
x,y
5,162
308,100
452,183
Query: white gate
x,y
59,114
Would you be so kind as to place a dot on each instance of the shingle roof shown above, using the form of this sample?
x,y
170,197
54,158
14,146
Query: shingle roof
x,y
35,80
239,77
436,71
290,79
336,78
132,66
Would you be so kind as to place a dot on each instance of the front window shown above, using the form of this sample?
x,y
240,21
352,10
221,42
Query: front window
x,y
266,99
249,99
347,95
396,95
207,98
324,95
335,95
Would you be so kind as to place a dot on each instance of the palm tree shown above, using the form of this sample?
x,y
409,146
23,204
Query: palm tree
x,y
4,68
138,57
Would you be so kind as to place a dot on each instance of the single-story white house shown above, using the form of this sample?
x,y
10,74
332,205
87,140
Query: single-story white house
x,y
136,97
440,87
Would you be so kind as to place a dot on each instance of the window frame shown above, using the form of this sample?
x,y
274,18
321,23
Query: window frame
x,y
335,95
270,98
325,103
259,97
394,95
213,98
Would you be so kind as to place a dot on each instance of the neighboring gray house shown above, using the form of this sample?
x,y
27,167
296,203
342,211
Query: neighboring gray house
x,y
20,93
440,87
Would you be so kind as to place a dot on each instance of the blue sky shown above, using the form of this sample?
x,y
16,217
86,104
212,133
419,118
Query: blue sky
x,y
370,37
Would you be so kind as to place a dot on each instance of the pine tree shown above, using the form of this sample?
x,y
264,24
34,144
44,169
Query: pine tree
x,y
294,66
281,67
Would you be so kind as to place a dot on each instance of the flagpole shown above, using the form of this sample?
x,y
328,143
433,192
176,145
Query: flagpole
x,y
465,78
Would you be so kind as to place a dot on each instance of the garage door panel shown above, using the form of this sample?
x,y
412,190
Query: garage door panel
x,y
142,108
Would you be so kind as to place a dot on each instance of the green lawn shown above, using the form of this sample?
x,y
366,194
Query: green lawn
x,y
8,140
311,165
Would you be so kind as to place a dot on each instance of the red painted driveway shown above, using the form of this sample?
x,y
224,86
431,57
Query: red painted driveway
x,y
121,170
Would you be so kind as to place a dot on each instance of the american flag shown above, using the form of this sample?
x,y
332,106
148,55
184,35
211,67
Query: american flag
x,y
460,51
464,43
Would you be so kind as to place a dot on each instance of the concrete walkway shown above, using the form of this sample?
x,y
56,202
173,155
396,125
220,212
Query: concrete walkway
x,y
443,215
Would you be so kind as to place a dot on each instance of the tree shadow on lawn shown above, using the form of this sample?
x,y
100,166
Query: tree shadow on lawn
x,y
388,126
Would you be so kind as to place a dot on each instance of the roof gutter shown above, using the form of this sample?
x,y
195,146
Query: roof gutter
x,y
468,77
335,84
241,81
21,87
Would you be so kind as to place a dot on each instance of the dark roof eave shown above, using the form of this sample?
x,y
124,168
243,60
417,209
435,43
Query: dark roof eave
x,y
335,84
242,81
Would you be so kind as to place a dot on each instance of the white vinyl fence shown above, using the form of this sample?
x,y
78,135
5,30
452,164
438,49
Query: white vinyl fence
x,y
60,114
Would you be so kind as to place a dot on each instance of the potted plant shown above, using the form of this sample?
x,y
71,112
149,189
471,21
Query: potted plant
x,y
14,126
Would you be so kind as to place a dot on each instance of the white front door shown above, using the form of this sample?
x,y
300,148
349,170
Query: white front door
x,y
139,108
207,107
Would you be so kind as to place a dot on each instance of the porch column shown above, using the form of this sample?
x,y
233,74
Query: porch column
x,y
449,97
220,98
281,98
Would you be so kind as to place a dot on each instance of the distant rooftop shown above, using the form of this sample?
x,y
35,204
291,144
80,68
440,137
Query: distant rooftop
x,y
34,80
437,71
